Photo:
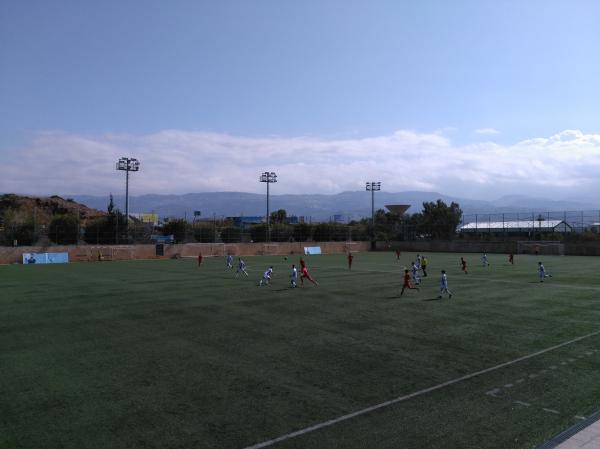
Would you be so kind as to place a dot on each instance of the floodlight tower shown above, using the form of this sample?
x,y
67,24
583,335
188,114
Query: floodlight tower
x,y
373,187
127,164
268,177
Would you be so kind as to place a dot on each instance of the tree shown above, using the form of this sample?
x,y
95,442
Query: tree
x,y
111,205
258,233
109,229
204,233
18,225
322,232
64,229
279,216
177,228
104,230
302,232
281,232
439,220
231,234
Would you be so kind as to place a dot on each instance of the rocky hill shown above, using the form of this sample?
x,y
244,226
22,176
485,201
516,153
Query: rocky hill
x,y
41,209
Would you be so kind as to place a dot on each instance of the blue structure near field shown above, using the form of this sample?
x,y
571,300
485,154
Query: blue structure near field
x,y
244,223
45,258
310,250
163,238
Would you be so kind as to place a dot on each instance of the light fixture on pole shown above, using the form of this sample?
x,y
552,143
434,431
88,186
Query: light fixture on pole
x,y
373,187
127,164
268,177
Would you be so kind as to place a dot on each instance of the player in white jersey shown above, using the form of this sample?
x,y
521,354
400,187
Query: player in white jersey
x,y
241,267
542,272
484,260
444,286
414,272
418,262
229,261
294,277
266,279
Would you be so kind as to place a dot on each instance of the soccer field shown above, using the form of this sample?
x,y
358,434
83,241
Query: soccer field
x,y
167,354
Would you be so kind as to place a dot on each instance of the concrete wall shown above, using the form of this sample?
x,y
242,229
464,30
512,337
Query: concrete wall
x,y
91,253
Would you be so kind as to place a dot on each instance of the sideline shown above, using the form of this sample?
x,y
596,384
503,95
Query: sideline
x,y
372,408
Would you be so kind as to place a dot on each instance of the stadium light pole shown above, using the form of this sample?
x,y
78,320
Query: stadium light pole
x,y
373,187
268,177
127,164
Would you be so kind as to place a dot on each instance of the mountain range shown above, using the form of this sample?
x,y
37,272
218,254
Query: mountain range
x,y
349,205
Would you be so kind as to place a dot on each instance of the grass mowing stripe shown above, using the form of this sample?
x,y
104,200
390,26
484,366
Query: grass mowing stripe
x,y
372,408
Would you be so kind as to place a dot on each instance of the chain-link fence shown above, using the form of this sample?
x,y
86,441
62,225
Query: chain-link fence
x,y
547,226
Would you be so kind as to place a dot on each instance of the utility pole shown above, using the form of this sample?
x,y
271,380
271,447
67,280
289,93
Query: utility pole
x,y
268,177
373,187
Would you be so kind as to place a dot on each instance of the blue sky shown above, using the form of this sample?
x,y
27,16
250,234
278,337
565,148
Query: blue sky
x,y
96,79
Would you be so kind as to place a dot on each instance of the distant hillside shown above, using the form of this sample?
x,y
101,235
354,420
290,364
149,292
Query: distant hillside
x,y
319,207
44,208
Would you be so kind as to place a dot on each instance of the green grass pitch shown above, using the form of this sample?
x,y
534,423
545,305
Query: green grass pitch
x,y
163,354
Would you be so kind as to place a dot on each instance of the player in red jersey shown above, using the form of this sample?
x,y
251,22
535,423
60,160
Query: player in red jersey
x,y
406,283
463,262
199,259
350,259
397,254
306,274
511,259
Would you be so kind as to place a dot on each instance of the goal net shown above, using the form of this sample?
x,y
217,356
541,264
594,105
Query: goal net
x,y
548,248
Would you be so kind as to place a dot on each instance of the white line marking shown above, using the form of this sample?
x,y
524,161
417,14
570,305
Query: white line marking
x,y
549,410
525,404
579,417
493,392
397,400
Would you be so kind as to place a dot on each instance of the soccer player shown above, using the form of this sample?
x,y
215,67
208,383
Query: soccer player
x,y
241,267
444,286
418,261
484,260
266,279
306,275
229,261
463,262
199,259
350,259
294,277
542,272
424,263
415,273
397,254
511,259
406,283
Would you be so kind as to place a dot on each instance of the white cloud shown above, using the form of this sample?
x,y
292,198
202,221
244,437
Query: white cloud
x,y
487,131
175,161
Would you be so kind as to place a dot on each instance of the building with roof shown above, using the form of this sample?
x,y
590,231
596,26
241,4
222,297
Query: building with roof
x,y
516,227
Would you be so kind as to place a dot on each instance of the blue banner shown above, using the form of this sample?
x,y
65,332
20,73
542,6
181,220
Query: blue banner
x,y
45,258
